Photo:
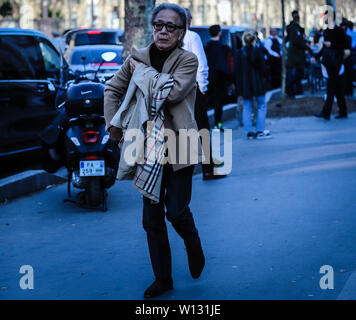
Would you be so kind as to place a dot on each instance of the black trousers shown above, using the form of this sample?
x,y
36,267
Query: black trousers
x,y
275,72
216,98
335,87
175,197
201,117
294,82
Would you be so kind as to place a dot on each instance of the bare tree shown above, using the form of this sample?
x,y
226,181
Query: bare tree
x,y
137,24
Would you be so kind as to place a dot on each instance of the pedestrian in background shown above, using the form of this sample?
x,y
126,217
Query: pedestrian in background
x,y
273,44
250,84
296,57
332,58
219,74
192,42
348,63
166,56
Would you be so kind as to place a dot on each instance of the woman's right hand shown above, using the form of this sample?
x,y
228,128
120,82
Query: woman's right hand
x,y
115,133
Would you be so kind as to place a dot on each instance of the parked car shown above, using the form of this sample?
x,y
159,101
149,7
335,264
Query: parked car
x,y
29,80
87,59
99,36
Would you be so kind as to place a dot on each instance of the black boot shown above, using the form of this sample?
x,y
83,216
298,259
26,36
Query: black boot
x,y
341,116
196,259
158,287
322,115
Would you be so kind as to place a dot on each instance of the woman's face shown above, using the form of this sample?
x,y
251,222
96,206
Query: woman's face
x,y
164,39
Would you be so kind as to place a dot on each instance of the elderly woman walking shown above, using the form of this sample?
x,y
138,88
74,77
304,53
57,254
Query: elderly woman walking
x,y
249,70
163,59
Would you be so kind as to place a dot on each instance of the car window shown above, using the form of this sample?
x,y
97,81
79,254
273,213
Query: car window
x,y
96,37
205,35
20,58
94,56
51,59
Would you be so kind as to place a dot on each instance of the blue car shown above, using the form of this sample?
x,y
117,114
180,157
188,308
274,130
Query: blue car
x,y
86,59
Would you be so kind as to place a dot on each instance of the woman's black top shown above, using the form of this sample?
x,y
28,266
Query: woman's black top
x,y
158,57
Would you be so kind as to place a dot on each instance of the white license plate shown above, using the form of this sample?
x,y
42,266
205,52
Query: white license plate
x,y
92,168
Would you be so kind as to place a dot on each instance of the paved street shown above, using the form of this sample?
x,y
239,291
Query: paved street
x,y
287,208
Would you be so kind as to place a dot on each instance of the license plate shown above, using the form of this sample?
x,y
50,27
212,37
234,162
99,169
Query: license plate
x,y
92,168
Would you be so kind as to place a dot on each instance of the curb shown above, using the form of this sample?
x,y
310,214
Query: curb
x,y
28,182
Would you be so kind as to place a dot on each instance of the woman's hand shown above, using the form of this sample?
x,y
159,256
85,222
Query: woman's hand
x,y
115,133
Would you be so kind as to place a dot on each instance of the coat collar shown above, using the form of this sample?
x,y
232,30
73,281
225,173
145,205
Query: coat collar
x,y
143,55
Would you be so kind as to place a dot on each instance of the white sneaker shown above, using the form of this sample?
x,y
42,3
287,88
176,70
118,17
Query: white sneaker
x,y
263,135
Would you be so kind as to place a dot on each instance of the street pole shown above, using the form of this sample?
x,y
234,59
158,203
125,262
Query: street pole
x,y
284,71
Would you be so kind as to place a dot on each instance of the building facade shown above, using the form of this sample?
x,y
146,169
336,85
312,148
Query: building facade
x,y
58,15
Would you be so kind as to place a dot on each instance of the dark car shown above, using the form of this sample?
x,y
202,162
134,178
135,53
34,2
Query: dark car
x,y
99,36
87,59
29,80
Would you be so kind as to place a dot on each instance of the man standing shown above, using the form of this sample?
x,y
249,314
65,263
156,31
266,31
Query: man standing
x,y
193,43
332,58
219,73
166,57
273,45
296,56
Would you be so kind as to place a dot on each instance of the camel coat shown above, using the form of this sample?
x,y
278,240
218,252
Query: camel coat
x,y
179,106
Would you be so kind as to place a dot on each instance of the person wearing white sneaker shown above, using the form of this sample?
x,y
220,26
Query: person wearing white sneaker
x,y
261,135
249,70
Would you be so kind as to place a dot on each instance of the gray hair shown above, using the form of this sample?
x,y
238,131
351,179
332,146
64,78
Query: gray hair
x,y
177,9
189,15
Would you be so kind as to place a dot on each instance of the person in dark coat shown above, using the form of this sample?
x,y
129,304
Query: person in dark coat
x,y
250,83
332,58
348,64
274,46
296,56
216,54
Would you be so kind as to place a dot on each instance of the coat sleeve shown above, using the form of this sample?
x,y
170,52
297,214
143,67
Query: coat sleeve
x,y
203,69
238,73
184,79
114,91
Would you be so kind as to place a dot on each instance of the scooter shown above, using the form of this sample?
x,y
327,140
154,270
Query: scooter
x,y
81,143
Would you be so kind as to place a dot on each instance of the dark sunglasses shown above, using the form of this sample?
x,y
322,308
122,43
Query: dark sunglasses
x,y
170,27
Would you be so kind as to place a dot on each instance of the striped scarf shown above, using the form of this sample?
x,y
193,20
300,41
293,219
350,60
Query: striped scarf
x,y
148,176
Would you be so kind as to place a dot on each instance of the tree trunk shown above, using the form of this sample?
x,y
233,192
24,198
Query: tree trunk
x,y
284,53
138,28
330,3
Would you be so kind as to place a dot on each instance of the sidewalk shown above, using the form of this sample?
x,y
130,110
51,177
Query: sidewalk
x,y
286,209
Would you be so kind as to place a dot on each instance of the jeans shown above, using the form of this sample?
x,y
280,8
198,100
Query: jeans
x,y
261,114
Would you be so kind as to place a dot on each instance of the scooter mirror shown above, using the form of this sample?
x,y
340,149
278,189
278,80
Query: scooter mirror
x,y
108,56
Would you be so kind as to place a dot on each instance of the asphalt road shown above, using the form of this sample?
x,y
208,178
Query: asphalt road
x,y
286,209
